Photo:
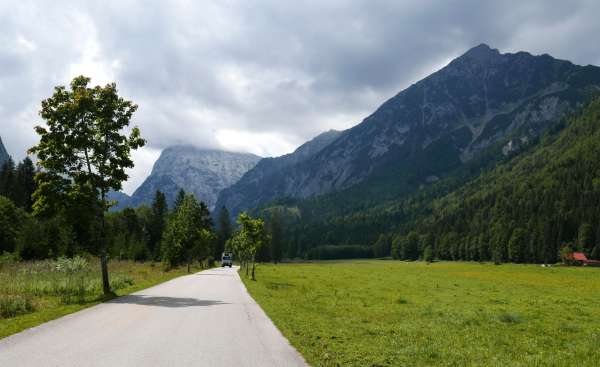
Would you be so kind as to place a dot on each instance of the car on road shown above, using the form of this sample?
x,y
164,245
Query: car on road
x,y
226,260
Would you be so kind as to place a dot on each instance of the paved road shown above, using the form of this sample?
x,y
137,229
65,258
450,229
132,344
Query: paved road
x,y
204,319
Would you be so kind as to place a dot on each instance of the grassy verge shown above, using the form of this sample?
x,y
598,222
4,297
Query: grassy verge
x,y
35,292
389,313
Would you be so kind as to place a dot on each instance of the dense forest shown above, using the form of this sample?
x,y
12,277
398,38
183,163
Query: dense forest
x,y
523,207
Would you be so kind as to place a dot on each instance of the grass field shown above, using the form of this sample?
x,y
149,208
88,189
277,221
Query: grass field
x,y
35,292
391,313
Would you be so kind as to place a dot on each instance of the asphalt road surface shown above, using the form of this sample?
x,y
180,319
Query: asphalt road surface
x,y
204,319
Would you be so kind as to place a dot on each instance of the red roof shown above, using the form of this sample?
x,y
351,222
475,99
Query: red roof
x,y
580,256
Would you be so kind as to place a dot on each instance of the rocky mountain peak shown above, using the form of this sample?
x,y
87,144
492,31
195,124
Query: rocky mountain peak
x,y
202,172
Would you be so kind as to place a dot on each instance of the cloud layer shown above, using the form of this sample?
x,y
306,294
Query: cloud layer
x,y
258,76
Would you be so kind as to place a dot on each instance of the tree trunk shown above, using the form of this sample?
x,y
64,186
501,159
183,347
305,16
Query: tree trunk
x,y
104,251
253,262
104,268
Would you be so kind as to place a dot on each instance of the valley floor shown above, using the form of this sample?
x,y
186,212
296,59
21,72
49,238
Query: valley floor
x,y
391,313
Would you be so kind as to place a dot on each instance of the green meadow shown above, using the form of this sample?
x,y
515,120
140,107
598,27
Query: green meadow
x,y
392,313
34,292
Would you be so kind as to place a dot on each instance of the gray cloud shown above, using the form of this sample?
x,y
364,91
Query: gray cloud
x,y
259,76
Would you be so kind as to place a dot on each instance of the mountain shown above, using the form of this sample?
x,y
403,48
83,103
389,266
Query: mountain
x,y
435,126
260,184
528,207
3,154
199,171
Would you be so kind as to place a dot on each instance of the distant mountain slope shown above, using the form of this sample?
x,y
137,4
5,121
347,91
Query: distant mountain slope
x,y
3,154
259,185
199,171
436,125
527,208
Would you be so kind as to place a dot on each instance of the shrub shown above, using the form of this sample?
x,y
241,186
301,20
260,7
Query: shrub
x,y
11,306
70,266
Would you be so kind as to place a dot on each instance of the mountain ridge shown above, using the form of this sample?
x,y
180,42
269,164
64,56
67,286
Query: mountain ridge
x,y
202,172
441,121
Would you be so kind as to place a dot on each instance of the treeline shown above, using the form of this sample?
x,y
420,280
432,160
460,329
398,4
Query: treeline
x,y
178,235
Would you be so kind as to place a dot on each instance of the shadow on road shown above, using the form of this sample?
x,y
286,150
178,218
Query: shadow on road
x,y
165,301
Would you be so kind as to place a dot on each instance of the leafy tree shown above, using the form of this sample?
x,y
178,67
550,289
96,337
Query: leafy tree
x,y
585,237
410,246
224,232
187,235
178,199
83,153
276,235
7,179
25,184
383,246
428,254
157,223
249,238
596,253
517,245
397,247
11,219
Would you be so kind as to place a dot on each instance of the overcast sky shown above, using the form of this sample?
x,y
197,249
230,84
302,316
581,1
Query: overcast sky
x,y
258,76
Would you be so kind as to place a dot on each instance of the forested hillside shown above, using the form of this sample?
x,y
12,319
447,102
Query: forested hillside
x,y
535,201
528,208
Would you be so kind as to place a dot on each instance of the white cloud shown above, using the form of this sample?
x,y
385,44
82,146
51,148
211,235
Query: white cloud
x,y
261,76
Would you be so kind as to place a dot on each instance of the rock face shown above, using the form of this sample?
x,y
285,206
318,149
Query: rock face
x,y
479,99
201,172
263,183
3,153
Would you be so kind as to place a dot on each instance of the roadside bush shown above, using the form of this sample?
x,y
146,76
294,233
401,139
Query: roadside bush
x,y
11,306
70,266
330,252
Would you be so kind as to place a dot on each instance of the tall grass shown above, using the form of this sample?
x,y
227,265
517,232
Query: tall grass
x,y
71,280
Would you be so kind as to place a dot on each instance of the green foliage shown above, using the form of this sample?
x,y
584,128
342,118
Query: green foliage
x,y
517,245
248,240
383,246
188,234
158,222
275,231
83,153
596,252
12,306
11,219
428,254
585,237
71,265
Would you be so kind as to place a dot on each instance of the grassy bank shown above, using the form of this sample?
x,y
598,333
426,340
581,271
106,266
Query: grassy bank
x,y
389,313
32,293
